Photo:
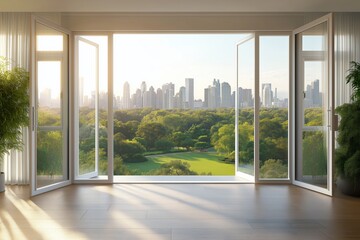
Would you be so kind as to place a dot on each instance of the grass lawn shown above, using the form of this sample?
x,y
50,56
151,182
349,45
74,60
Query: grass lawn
x,y
200,162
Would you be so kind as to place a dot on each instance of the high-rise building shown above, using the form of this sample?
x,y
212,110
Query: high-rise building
x,y
143,87
168,95
266,95
315,85
206,98
137,98
245,98
189,92
126,96
149,98
159,98
212,97
217,100
182,103
225,95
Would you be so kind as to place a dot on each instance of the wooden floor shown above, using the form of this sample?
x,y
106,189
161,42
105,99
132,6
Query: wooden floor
x,y
178,211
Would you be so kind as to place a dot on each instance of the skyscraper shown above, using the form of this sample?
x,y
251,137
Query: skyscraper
x,y
245,98
126,96
159,98
143,87
149,98
266,95
168,95
315,85
225,95
217,100
189,93
182,98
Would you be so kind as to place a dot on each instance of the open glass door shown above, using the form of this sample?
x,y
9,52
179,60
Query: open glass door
x,y
245,117
87,104
314,106
49,136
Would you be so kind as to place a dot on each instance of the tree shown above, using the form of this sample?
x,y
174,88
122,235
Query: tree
x,y
129,150
174,167
204,138
182,139
151,132
225,140
164,145
201,145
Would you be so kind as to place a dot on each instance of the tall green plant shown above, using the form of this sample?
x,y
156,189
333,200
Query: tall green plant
x,y
348,153
14,105
354,79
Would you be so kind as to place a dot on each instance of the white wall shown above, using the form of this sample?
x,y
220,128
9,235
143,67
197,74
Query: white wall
x,y
182,22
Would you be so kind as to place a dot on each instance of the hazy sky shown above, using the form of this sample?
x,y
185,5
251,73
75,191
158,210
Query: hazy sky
x,y
162,58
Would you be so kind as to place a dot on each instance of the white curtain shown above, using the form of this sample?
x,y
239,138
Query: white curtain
x,y
15,46
347,49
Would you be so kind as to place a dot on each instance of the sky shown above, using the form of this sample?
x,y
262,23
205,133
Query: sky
x,y
162,58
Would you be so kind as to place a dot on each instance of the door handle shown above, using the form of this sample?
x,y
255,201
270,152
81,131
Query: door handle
x,y
33,118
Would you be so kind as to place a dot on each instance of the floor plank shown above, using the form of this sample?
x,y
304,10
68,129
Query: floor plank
x,y
178,211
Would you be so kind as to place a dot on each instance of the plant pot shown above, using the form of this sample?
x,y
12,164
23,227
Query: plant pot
x,y
2,182
348,187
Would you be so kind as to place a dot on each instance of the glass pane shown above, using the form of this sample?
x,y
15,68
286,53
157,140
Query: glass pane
x,y
313,42
50,155
88,107
51,89
49,43
93,105
174,113
49,93
246,84
312,132
274,95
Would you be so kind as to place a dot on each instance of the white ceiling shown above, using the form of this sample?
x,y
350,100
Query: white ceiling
x,y
172,6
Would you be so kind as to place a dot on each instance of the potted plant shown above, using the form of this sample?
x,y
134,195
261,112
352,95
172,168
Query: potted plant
x,y
14,107
347,157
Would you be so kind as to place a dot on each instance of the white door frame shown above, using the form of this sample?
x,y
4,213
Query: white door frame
x,y
33,110
331,136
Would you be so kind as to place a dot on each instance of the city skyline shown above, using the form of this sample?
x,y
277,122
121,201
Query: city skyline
x,y
216,95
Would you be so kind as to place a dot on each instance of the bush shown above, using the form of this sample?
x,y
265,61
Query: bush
x,y
174,167
137,158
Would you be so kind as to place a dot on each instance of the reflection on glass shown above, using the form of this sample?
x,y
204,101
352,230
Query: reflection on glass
x,y
49,85
313,42
274,95
49,158
93,103
246,84
312,62
51,106
314,167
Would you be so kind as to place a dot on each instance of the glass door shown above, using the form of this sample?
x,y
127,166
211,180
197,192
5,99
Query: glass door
x,y
87,112
246,105
314,106
50,158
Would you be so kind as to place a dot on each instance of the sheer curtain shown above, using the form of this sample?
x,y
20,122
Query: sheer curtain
x,y
15,45
347,49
